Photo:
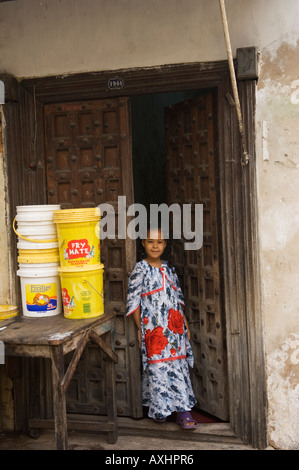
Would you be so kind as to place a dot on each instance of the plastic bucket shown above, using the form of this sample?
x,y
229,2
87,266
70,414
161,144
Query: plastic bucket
x,y
78,237
36,213
31,231
38,266
39,256
38,242
41,292
36,226
82,291
8,311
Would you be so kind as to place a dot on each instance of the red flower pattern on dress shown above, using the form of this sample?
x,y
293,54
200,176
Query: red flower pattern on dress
x,y
175,321
155,341
145,320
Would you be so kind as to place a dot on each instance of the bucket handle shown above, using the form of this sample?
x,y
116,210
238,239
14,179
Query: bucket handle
x,y
29,239
85,280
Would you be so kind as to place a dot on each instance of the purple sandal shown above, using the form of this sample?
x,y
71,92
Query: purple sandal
x,y
185,420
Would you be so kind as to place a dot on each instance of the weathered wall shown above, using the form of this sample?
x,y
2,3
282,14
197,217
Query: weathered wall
x,y
39,38
4,241
6,402
278,164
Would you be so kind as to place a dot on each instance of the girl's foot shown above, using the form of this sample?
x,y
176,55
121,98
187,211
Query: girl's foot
x,y
185,420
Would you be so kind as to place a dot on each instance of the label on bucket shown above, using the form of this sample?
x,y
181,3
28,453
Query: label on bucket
x,y
78,252
41,297
69,302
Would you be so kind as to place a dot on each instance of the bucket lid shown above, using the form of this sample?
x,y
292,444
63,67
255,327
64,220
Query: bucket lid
x,y
72,269
38,207
38,273
8,311
77,215
35,217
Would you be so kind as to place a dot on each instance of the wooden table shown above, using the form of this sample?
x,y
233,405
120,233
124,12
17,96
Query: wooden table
x,y
53,337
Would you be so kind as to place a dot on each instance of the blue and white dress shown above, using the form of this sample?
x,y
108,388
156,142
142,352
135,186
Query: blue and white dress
x,y
165,349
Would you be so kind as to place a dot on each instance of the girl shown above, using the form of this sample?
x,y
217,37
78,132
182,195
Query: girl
x,y
156,302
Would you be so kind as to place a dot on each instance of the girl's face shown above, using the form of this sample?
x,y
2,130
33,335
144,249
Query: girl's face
x,y
154,244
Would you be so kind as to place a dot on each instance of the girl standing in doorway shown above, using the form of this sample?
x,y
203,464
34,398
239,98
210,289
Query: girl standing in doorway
x,y
156,302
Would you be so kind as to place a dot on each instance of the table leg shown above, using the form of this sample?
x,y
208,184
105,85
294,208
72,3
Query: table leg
x,y
110,360
59,403
111,400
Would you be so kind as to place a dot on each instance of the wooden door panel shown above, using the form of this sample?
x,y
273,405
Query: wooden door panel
x,y
191,166
88,160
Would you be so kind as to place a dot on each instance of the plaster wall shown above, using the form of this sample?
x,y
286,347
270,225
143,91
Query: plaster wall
x,y
6,297
278,170
58,37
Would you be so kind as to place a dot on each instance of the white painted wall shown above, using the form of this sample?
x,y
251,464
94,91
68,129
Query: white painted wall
x,y
56,37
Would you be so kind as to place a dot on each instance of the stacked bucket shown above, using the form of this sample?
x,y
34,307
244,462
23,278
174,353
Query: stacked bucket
x,y
38,259
80,271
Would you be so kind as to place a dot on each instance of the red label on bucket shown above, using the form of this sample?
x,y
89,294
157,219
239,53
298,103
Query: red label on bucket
x,y
78,249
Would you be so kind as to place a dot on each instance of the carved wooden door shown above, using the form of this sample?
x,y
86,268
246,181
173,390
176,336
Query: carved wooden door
x,y
88,155
191,176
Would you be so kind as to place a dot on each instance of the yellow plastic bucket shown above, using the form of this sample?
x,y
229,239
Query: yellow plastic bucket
x,y
8,311
78,237
82,291
50,255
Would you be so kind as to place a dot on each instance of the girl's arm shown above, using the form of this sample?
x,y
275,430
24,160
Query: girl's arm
x,y
137,319
187,326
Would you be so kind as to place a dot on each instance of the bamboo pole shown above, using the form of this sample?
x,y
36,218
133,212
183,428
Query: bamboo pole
x,y
245,156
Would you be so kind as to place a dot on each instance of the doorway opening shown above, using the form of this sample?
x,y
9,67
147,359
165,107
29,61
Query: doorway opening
x,y
239,264
174,157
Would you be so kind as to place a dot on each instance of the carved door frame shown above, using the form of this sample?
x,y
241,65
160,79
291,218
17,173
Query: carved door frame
x,y
238,196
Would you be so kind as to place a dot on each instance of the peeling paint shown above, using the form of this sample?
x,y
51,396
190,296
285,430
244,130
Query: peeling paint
x,y
283,394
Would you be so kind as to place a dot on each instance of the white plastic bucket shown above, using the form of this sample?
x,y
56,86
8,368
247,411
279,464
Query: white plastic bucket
x,y
31,231
36,213
40,289
36,226
26,245
34,266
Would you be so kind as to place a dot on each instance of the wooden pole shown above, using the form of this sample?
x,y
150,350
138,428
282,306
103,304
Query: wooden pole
x,y
245,156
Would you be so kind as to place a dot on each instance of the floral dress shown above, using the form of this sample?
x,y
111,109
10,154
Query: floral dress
x,y
165,349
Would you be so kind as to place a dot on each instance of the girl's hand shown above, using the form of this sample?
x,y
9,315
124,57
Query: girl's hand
x,y
187,327
139,337
188,333
137,319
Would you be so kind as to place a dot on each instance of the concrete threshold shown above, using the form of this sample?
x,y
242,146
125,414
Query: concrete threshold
x,y
133,434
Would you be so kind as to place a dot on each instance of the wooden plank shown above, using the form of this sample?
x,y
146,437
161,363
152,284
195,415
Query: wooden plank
x,y
74,361
101,343
46,331
27,350
90,86
74,423
205,432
